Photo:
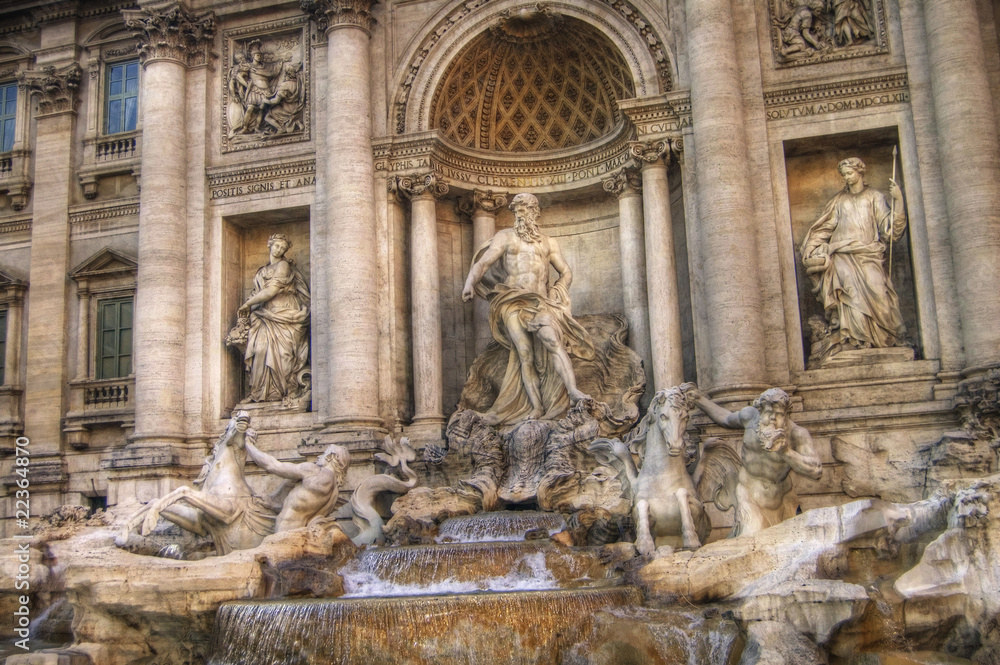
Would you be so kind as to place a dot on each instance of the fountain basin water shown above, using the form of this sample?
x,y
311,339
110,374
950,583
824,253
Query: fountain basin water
x,y
509,525
471,567
490,628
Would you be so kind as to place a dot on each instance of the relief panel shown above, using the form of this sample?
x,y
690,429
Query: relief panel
x,y
805,32
265,85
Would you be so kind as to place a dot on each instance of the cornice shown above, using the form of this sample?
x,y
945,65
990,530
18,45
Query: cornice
x,y
819,98
225,176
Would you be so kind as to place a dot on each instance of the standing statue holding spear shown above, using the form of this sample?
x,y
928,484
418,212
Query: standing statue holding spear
x,y
844,256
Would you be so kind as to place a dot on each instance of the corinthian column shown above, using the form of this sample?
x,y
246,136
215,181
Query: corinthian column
x,y
661,279
626,185
46,373
970,166
352,279
170,39
727,232
482,207
428,383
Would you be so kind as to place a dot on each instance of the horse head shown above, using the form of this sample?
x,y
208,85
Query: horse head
x,y
670,411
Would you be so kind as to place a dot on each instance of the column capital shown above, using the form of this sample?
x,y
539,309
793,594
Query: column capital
x,y
413,187
650,152
56,88
332,14
626,181
485,200
167,31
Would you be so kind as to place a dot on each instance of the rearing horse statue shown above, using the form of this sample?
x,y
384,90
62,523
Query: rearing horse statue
x,y
664,500
224,507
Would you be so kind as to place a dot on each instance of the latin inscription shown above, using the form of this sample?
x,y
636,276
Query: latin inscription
x,y
834,107
262,187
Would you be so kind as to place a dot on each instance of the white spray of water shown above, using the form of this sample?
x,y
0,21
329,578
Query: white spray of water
x,y
529,573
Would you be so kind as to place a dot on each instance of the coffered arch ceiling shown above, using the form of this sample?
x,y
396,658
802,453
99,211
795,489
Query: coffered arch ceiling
x,y
532,83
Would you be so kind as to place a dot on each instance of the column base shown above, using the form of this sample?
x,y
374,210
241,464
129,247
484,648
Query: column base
x,y
425,431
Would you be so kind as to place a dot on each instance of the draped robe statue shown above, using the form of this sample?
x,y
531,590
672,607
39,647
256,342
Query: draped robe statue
x,y
277,338
530,318
844,252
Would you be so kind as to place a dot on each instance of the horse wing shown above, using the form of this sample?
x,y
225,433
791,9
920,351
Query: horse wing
x,y
717,473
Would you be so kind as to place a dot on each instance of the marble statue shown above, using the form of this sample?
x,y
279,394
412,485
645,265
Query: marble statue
x,y
664,500
773,446
223,505
530,318
366,518
273,328
843,254
314,485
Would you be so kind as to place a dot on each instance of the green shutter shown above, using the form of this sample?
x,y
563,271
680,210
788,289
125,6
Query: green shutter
x,y
114,338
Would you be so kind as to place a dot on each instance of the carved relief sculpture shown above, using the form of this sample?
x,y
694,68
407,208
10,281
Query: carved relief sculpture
x,y
273,330
265,88
530,318
844,254
805,31
773,446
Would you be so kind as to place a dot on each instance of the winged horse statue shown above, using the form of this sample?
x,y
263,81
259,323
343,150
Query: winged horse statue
x,y
666,499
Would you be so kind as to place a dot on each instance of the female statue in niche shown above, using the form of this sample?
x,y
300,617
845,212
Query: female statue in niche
x,y
275,319
844,254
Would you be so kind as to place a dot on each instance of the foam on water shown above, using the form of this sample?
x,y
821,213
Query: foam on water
x,y
529,573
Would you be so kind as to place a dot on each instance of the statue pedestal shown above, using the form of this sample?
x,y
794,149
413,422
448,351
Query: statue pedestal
x,y
896,354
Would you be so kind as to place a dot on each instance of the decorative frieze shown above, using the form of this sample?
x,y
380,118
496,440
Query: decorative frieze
x,y
424,151
265,92
814,100
168,31
805,32
56,88
229,182
332,14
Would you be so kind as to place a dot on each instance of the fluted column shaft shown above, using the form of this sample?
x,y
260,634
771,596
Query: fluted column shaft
x,y
428,388
626,185
661,268
725,205
160,312
352,279
970,165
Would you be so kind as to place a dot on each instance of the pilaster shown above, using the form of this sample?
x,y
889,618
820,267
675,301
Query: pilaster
x,y
46,377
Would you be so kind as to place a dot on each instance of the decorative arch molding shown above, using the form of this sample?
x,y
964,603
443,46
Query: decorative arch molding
x,y
651,63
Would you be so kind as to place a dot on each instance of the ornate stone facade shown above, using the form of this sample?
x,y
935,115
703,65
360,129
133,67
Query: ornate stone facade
x,y
681,151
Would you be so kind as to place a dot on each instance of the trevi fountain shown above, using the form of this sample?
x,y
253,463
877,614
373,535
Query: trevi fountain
x,y
499,332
